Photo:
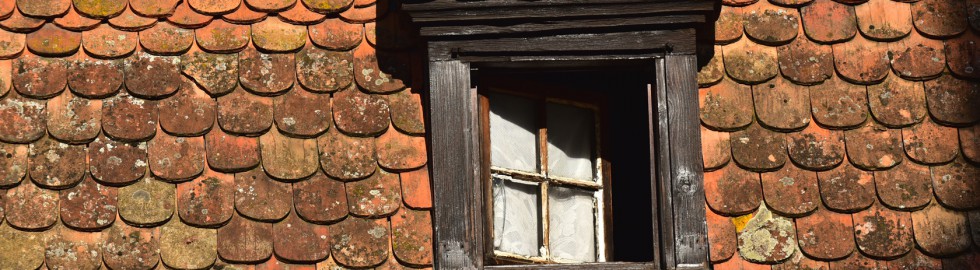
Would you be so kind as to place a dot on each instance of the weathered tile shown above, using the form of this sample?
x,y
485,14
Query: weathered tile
x,y
149,76
328,6
882,233
904,187
750,63
956,184
805,62
800,261
231,153
222,37
191,112
166,39
732,190
245,15
21,119
277,264
88,206
397,151
274,35
970,142
826,235
759,149
376,196
95,78
828,21
816,148
951,100
358,113
379,78
107,42
839,104
712,73
916,57
270,5
127,247
736,262
186,247
130,21
974,217
767,238
13,44
897,102
176,159
244,240
968,260
217,74
738,3
43,8
20,249
74,119
148,202
941,231
416,188
301,113
335,34
721,237
962,56
52,40
411,237
100,9
407,114
846,188
214,7
76,22
855,262
940,18
913,260
68,249
358,242
208,200
781,105
56,165
30,207
260,198
129,118
39,77
300,14
321,70
791,191
186,17
154,8
266,74
874,147
884,20
364,14
715,148
726,106
288,158
728,27
243,113
929,143
861,61
320,199
771,24
13,164
299,241
17,22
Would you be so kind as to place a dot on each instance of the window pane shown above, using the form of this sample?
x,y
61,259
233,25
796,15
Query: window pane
x,y
571,141
513,135
572,224
516,216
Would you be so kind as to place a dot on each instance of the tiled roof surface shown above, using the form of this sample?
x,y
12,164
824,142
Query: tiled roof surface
x,y
255,134
843,135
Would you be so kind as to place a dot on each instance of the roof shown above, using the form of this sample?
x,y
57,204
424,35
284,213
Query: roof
x,y
199,133
843,135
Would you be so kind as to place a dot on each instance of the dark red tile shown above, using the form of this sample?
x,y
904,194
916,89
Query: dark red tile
x,y
217,74
969,260
273,34
266,74
68,249
791,191
951,100
956,184
358,242
345,157
328,6
214,7
377,196
245,15
288,158
52,40
222,37
397,151
320,199
861,61
751,63
191,112
335,34
300,14
321,70
897,102
759,149
800,261
855,262
100,9
767,238
15,44
770,24
88,206
364,14
276,264
95,78
39,77
30,207
301,113
712,73
929,143
917,58
17,22
150,76
839,104
974,15
913,260
127,247
129,118
260,198
107,42
412,237
166,39
721,237
299,241
13,165
377,78
44,8
828,21
130,21
116,163
874,147
363,3
21,119
6,68
76,22
56,165
846,188
148,202
715,148
974,217
243,113
884,20
244,240
962,56
74,119
940,231
416,188
939,18
907,186
882,233
805,62
25,249
185,17
359,113
728,27
736,262
726,106
208,200
733,191
970,142
231,153
187,247
816,148
154,8
176,159
781,105
407,112
826,235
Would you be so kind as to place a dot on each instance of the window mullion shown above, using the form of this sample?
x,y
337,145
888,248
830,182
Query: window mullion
x,y
543,150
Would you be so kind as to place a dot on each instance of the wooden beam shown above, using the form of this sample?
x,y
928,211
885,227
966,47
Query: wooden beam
x,y
579,25
660,157
465,12
580,266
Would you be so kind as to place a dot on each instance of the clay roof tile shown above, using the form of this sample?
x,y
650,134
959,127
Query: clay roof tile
x,y
938,18
359,242
39,77
827,21
129,118
243,113
715,148
759,149
206,201
107,42
770,24
411,238
377,196
15,45
359,113
70,249
258,197
826,235
147,202
926,143
56,165
88,205
732,191
816,148
244,240
76,22
187,247
846,188
263,73
130,21
721,237
29,251
883,233
416,188
221,37
176,159
74,119
186,17
17,22
302,113
154,8
43,8
245,15
129,247
962,57
214,7
13,165
300,14
906,187
331,6
22,118
884,19
275,35
970,143
897,102
874,147
216,74
335,34
726,106
321,70
781,105
805,62
398,151
231,153
30,207
95,78
728,27
320,199
297,240
861,61
956,183
940,231
191,112
165,38
288,158
52,40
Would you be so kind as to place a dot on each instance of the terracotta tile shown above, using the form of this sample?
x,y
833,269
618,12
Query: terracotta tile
x,y
940,231
736,262
185,17
301,113
130,21
715,148
912,260
245,15
68,249
905,187
939,18
21,249
956,184
39,77
335,34
76,22
962,56
728,27
791,191
861,61
951,100
320,70
970,142
816,148
100,9
782,105
43,8
320,199
129,118
22,119
359,113
17,22
407,112
377,78
166,39
208,200
969,260
52,40
345,157
299,241
223,37
713,72
750,63
917,58
738,2
846,188
828,21
154,8
214,7
799,261
883,233
127,247
721,237
328,6
364,14
277,264
884,20
855,262
74,119
148,202
929,143
55,164
897,102
769,24
191,112
13,165
260,198
805,62
243,113
363,3
30,207
397,151
6,8
839,104
412,237
95,78
186,247
300,14
88,206
11,44
732,190
873,147
244,240
767,238
726,106
759,149
230,153
974,217
376,196
217,74
288,158
266,74
416,188
275,35
152,77
176,159
826,235
357,242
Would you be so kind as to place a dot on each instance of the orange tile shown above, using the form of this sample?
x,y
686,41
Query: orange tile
x,y
296,240
320,199
191,112
100,9
214,7
905,187
154,8
74,119
107,42
791,191
897,102
839,104
358,113
43,8
300,14
242,113
417,188
759,149
816,148
15,45
128,118
206,201
245,15
258,197
130,21
861,61
884,19
88,206
805,62
151,77
301,113
275,35
358,242
95,78
956,184
941,231
770,24
262,73
826,235
846,188
411,237
874,147
726,106
148,202
76,22
176,159
750,63
728,27
732,191
970,142
186,17
962,56
781,105
715,148
929,143
938,18
397,151
39,77
288,158
187,247
68,249
828,21
30,207
56,165
245,241
365,14
166,38
17,22
13,165
721,237
856,261
231,153
712,73
951,100
917,58
336,34
223,37
52,40
329,6
216,74
22,119
881,233
377,196
270,5
320,70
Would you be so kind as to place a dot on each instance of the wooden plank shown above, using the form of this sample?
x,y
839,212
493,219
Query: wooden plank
x,y
574,46
580,266
660,154
686,167
578,25
544,11
458,217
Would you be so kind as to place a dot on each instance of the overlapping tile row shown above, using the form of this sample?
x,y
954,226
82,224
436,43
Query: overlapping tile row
x,y
843,135
256,134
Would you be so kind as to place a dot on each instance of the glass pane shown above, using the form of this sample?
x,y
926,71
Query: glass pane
x,y
572,224
516,216
571,140
513,135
